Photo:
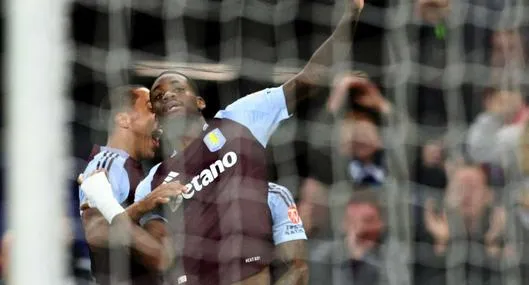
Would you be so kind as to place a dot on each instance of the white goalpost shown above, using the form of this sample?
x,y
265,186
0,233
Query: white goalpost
x,y
36,139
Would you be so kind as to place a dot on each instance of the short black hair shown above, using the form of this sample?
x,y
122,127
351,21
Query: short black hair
x,y
190,81
118,100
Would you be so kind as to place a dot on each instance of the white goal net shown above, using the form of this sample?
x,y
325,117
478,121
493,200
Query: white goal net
x,y
453,71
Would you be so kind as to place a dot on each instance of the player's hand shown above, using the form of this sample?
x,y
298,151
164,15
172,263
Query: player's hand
x,y
351,6
96,188
163,194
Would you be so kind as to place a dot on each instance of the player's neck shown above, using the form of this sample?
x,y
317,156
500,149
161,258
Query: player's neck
x,y
192,132
122,141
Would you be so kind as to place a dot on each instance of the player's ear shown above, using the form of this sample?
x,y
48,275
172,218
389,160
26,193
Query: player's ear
x,y
122,120
201,103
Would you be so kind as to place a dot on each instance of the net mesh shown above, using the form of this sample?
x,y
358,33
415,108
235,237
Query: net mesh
x,y
433,75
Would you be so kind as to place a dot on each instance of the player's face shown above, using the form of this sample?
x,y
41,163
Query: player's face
x,y
144,123
173,97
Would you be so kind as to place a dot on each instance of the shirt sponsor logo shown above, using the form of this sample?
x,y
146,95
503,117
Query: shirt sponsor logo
x,y
214,140
208,175
293,215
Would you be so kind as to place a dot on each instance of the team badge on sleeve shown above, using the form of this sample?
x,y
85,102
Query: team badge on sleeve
x,y
214,140
293,215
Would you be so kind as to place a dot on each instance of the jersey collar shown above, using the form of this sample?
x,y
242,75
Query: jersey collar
x,y
204,128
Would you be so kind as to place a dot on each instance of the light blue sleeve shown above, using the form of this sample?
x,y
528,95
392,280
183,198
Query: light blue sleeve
x,y
286,224
261,112
143,189
117,175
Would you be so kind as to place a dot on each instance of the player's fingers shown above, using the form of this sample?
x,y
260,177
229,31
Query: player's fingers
x,y
175,191
162,200
358,4
178,187
167,192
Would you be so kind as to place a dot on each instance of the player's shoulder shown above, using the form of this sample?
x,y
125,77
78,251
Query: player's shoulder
x,y
111,160
224,124
222,130
280,193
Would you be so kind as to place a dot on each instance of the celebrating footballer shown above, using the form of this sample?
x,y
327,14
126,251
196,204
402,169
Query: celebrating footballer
x,y
220,227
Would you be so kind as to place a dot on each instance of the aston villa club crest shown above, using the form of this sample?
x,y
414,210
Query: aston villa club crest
x,y
214,140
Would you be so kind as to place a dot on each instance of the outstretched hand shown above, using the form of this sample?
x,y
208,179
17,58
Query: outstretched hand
x,y
352,5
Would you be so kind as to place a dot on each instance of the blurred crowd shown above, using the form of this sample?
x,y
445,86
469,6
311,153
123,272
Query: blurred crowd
x,y
434,195
410,196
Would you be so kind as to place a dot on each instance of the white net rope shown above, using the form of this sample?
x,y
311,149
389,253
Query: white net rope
x,y
433,75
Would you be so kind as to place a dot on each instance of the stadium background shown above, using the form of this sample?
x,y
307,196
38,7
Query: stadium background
x,y
256,43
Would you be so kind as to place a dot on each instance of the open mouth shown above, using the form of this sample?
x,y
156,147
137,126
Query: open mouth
x,y
155,137
173,106
155,142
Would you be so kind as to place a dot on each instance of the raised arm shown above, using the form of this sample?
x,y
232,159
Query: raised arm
x,y
317,72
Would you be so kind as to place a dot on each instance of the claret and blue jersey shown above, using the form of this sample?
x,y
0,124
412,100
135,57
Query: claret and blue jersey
x,y
124,174
261,112
228,203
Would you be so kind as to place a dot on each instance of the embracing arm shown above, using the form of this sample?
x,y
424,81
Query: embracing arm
x,y
316,74
96,226
153,245
149,244
108,224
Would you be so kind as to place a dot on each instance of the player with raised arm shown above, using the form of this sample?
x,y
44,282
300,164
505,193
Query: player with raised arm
x,y
132,124
223,231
